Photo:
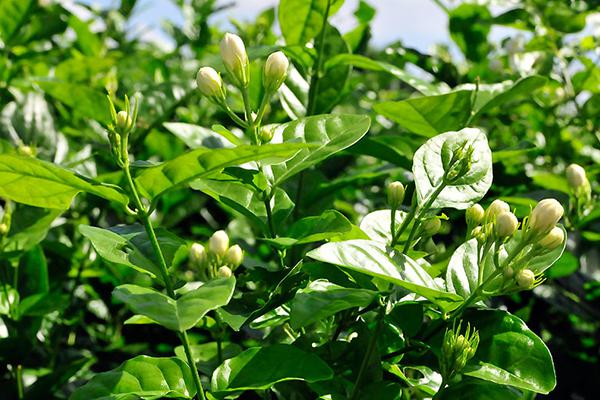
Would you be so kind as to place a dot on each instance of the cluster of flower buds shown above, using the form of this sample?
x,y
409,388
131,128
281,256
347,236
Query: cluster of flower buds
x,y
217,259
497,222
460,163
457,350
235,59
122,124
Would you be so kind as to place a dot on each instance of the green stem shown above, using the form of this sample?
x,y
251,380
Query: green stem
x,y
419,214
316,76
270,217
20,390
368,354
144,217
249,119
234,116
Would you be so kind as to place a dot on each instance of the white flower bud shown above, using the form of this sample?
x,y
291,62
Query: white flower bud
x,y
478,234
234,256
219,243
432,226
197,255
123,121
474,215
265,134
275,71
553,239
525,278
576,176
395,194
235,58
497,207
544,216
209,82
506,224
26,151
224,272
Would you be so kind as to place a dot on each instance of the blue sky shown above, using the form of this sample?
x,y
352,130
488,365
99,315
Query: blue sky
x,y
418,23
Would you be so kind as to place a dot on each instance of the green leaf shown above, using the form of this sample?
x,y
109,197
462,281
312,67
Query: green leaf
x,y
462,275
183,313
195,136
431,162
314,229
377,224
509,353
375,259
206,355
476,389
302,20
12,15
539,262
42,184
261,367
469,26
329,133
129,245
87,41
246,200
429,115
564,266
141,377
550,181
356,60
199,163
322,299
84,100
564,18
28,227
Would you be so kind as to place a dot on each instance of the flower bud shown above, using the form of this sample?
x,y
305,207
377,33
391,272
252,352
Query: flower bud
x,y
275,71
553,239
219,243
26,151
197,255
496,208
474,215
234,256
478,233
235,58
224,272
508,272
3,228
209,83
576,176
395,193
506,224
123,122
265,134
432,226
525,278
545,215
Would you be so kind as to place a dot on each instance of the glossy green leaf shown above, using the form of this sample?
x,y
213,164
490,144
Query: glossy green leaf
x,y
206,355
356,60
302,20
566,265
315,229
429,115
129,245
509,353
12,16
183,313
329,134
476,389
85,101
246,200
42,184
199,163
195,136
462,275
431,162
29,226
377,224
141,377
539,262
261,367
375,259
322,299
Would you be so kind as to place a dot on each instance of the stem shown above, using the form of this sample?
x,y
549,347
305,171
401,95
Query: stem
x,y
249,119
419,214
316,76
143,215
270,217
188,353
234,116
368,354
20,381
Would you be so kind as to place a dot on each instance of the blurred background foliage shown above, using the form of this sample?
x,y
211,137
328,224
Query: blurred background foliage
x,y
55,69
